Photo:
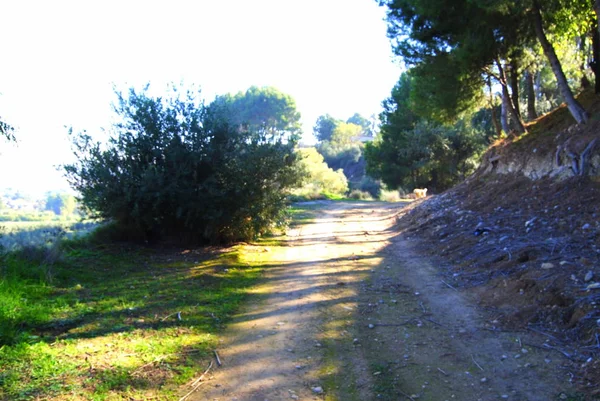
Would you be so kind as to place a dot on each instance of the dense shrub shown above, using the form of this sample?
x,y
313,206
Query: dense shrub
x,y
176,168
359,195
320,181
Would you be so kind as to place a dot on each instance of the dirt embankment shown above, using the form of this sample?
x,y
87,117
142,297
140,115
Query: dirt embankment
x,y
522,236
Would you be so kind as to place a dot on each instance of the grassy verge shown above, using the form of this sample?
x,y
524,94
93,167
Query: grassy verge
x,y
115,323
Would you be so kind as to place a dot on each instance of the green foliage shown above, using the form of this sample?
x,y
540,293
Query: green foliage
x,y
320,180
360,195
7,131
263,113
324,127
18,215
415,152
370,185
61,204
174,167
368,126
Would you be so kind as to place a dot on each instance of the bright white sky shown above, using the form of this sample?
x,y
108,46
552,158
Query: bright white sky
x,y
60,60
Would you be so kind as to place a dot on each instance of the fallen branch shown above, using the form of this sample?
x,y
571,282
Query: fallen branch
x,y
476,364
584,154
199,379
547,347
218,359
449,285
545,334
196,383
445,374
172,314
433,321
406,395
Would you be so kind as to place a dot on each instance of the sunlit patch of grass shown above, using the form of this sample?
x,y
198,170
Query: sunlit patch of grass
x,y
303,213
116,323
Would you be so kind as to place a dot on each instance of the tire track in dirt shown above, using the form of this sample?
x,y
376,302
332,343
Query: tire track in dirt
x,y
348,312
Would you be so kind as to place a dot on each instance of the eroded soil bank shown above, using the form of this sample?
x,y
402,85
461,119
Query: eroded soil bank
x,y
348,311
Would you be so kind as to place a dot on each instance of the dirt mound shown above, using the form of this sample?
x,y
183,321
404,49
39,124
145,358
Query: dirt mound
x,y
522,236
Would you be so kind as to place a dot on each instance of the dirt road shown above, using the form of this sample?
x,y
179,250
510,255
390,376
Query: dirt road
x,y
348,312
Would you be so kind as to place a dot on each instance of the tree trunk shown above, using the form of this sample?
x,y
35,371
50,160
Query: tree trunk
x,y
504,114
518,122
577,111
595,63
514,85
497,126
585,82
530,90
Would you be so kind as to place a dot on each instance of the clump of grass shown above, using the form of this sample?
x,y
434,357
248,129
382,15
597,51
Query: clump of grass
x,y
389,196
360,195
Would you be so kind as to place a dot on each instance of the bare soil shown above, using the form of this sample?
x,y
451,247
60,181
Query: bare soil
x,y
353,308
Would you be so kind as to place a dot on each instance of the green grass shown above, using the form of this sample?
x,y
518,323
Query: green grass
x,y
115,323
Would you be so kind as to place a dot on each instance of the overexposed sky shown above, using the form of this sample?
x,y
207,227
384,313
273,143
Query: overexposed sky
x,y
60,60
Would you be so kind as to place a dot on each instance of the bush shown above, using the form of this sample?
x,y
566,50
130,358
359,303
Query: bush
x,y
359,195
370,185
175,168
389,196
320,181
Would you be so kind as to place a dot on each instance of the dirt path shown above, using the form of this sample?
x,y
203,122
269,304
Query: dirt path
x,y
348,312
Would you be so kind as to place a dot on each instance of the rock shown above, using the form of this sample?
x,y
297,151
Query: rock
x,y
483,380
371,326
517,356
593,286
524,351
355,341
547,266
317,390
586,226
588,276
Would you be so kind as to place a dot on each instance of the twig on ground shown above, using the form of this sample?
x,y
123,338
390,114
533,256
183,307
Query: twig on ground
x,y
444,373
449,285
433,321
406,395
545,334
393,324
218,359
199,379
476,364
172,314
196,383
422,307
547,347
